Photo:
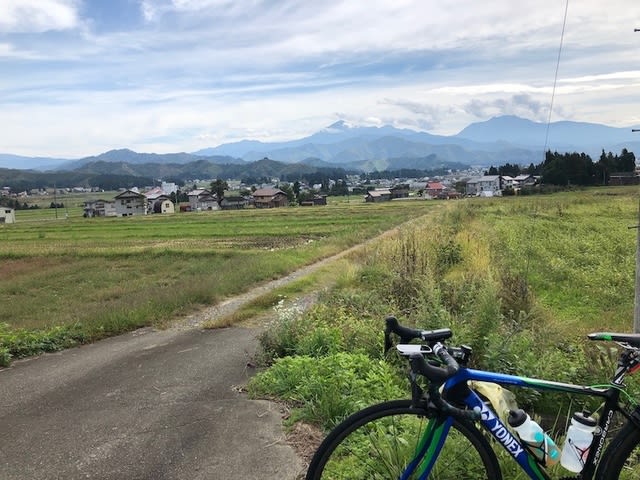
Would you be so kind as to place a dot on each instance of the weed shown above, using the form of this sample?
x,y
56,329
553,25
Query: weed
x,y
324,390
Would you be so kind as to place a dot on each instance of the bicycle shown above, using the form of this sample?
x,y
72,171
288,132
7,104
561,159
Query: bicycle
x,y
438,433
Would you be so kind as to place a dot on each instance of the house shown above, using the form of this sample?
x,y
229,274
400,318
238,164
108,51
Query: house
x,y
486,186
524,180
507,181
168,188
7,215
162,204
99,208
233,202
316,200
270,198
449,195
202,199
400,191
130,203
434,189
159,202
418,185
624,178
378,195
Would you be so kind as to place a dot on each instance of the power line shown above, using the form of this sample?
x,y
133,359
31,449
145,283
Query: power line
x,y
546,138
555,79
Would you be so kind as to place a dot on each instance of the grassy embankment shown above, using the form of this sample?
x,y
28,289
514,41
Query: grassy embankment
x,y
74,280
521,280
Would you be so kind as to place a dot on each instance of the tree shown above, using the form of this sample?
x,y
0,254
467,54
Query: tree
x,y
627,161
510,170
568,169
218,187
304,196
178,197
339,188
286,188
553,169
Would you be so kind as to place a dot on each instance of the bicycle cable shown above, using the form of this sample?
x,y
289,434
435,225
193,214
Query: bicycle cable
x,y
624,393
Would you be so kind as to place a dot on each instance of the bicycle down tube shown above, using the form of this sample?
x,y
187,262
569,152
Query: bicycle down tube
x,y
503,435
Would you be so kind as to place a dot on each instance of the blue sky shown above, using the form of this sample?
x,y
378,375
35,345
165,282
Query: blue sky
x,y
80,77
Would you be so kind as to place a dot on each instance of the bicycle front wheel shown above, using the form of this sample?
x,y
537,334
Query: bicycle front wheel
x,y
621,461
378,443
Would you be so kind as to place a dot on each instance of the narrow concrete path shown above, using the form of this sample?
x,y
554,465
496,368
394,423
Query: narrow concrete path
x,y
146,405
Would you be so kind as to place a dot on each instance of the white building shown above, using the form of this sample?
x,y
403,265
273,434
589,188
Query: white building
x,y
168,188
130,203
7,215
202,199
485,186
524,180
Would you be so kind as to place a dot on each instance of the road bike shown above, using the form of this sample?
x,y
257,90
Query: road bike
x,y
447,428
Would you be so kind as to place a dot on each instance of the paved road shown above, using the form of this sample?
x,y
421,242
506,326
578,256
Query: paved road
x,y
146,405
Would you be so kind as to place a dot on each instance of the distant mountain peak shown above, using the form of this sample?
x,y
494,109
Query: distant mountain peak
x,y
339,126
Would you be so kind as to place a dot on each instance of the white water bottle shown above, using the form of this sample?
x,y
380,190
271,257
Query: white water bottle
x,y
576,445
537,442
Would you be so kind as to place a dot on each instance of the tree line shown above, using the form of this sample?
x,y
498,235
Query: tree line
x,y
26,180
565,169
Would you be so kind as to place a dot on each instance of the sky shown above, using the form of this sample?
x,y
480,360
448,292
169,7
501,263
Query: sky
x,y
81,77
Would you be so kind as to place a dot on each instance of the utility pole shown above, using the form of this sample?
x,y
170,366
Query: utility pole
x,y
636,305
55,199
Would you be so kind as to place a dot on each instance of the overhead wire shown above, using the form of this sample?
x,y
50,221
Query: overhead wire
x,y
546,139
555,79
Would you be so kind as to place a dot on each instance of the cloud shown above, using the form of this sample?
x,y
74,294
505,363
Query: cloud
x,y
522,105
33,16
178,74
425,115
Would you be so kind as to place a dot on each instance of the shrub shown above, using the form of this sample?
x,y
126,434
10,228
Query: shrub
x,y
325,390
335,325
22,342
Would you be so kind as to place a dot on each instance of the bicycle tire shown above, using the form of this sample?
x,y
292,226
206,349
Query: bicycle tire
x,y
378,442
621,460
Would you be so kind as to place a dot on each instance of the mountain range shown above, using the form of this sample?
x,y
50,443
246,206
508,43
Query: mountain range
x,y
500,140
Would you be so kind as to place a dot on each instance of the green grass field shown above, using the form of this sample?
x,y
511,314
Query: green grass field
x,y
108,275
576,250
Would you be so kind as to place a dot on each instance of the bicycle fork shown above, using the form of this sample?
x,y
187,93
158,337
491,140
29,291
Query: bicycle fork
x,y
429,447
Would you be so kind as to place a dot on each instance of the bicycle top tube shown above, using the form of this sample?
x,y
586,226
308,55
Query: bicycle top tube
x,y
465,374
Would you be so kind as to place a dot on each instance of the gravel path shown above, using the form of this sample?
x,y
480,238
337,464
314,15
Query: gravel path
x,y
231,305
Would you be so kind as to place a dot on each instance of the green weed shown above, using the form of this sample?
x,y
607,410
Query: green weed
x,y
325,390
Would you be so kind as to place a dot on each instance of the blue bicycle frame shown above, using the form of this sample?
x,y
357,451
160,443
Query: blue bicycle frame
x,y
436,434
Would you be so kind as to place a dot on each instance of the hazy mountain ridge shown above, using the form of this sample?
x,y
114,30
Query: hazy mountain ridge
x,y
562,135
500,140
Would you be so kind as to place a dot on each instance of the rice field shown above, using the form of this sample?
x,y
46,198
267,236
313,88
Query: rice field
x,y
119,273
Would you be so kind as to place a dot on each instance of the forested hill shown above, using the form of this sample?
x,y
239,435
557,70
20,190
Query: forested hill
x,y
21,180
114,175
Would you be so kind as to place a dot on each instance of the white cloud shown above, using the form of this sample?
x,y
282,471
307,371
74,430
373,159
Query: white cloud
x,y
192,73
28,16
6,50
